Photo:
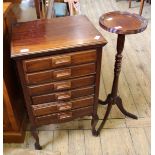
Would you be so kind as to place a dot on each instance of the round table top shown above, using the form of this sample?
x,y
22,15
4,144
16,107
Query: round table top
x,y
123,22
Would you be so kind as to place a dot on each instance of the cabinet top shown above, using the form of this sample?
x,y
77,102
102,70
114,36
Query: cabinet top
x,y
57,34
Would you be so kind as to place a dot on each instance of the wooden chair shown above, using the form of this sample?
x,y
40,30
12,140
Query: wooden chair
x,y
38,9
46,8
141,5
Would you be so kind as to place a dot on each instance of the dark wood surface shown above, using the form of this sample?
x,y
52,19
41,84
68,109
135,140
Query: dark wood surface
x,y
38,8
6,7
53,35
62,117
60,73
12,1
46,63
47,108
123,22
129,24
47,88
13,103
63,96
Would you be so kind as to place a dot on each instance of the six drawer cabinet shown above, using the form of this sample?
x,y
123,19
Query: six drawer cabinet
x,y
58,63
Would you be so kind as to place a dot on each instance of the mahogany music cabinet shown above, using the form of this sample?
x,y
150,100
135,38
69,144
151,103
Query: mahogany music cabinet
x,y
58,63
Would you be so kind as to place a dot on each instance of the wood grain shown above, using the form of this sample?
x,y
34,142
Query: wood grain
x,y
45,40
60,142
63,96
70,115
76,143
47,108
14,111
60,86
92,144
120,141
45,63
60,74
123,22
140,141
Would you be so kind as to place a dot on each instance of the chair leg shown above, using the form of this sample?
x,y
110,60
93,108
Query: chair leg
x,y
37,6
141,7
129,3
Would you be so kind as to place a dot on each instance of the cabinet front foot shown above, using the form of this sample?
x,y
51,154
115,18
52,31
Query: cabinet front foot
x,y
36,137
95,133
37,146
94,121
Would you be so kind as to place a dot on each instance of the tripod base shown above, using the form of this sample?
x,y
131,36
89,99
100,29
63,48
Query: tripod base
x,y
111,101
118,101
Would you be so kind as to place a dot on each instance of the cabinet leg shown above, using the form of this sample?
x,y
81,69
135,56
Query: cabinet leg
x,y
94,121
35,135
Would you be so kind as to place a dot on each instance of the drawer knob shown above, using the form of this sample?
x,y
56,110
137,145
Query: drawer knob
x,y
62,85
62,73
63,96
61,60
62,116
65,106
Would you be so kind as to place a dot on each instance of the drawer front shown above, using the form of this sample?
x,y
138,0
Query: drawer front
x,y
63,96
64,116
48,108
46,63
59,86
54,75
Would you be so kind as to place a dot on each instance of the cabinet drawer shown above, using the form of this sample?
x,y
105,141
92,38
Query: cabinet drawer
x,y
63,96
64,116
48,108
62,85
46,63
54,75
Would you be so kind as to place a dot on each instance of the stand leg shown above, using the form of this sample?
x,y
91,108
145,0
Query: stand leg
x,y
35,135
105,118
93,124
104,102
121,108
113,98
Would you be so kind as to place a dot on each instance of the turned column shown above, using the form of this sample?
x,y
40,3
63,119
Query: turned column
x,y
118,61
121,23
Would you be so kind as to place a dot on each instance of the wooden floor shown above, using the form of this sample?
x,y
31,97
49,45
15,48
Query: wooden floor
x,y
120,136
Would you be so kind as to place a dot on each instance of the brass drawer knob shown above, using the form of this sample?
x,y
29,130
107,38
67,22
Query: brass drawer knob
x,y
63,96
62,85
64,106
62,73
61,60
62,116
